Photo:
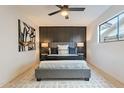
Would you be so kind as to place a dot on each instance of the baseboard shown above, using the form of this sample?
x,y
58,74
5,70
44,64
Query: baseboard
x,y
108,77
33,65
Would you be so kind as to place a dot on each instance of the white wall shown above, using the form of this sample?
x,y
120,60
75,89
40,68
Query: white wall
x,y
12,62
107,56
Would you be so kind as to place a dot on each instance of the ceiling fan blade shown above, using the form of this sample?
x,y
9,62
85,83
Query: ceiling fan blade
x,y
50,14
76,9
59,6
67,17
65,6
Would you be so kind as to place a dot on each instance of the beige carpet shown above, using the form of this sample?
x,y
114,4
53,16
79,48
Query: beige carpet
x,y
27,80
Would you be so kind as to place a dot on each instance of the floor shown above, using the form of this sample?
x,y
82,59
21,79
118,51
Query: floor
x,y
27,80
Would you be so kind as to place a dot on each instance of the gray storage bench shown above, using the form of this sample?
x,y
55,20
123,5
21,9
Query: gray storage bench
x,y
63,69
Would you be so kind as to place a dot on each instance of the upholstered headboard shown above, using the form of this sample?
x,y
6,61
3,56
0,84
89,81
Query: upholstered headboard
x,y
55,44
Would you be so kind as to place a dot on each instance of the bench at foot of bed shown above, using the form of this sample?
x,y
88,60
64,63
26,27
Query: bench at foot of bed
x,y
83,74
64,69
86,79
39,79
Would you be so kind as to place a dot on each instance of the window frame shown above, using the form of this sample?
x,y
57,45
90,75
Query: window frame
x,y
118,28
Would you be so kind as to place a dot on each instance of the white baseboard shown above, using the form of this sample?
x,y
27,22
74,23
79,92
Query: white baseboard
x,y
108,77
20,72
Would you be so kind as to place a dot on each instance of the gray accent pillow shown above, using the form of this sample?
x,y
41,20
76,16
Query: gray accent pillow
x,y
72,50
54,50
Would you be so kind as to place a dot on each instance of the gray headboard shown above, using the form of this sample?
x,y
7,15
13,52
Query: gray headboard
x,y
55,44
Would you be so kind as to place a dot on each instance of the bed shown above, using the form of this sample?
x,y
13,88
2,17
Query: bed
x,y
64,57
63,69
62,51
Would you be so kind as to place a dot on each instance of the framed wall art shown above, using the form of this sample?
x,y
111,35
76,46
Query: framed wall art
x,y
26,37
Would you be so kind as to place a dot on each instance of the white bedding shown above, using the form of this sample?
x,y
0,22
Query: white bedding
x,y
64,64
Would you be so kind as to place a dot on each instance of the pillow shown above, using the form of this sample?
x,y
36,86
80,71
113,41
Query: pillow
x,y
54,50
63,49
62,46
72,50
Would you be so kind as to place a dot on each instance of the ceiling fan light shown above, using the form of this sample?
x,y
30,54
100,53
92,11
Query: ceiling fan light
x,y
64,13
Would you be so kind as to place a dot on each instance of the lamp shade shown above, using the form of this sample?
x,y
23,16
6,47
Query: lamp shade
x,y
80,44
44,44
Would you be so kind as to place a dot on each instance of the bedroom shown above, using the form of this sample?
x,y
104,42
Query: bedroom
x,y
67,51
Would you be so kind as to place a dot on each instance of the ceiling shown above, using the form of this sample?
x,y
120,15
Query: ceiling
x,y
39,15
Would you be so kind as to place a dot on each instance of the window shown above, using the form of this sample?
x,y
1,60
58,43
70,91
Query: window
x,y
121,27
112,30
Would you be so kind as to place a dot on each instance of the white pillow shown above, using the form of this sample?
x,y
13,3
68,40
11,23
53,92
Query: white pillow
x,y
63,49
63,46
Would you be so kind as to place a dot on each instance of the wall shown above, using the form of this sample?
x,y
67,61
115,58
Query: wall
x,y
56,34
107,56
12,62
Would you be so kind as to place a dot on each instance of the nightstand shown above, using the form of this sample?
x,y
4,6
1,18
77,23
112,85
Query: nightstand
x,y
43,57
81,55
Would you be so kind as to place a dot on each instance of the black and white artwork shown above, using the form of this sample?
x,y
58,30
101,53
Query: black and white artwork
x,y
26,37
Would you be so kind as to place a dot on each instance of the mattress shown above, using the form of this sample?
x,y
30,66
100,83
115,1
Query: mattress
x,y
63,64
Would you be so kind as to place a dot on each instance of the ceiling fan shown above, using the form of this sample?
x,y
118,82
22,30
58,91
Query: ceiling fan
x,y
64,10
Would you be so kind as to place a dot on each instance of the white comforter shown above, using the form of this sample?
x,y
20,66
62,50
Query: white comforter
x,y
64,64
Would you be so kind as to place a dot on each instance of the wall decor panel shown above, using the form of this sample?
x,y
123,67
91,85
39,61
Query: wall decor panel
x,y
62,34
26,37
50,34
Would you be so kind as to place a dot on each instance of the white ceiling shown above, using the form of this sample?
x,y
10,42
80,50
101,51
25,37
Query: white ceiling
x,y
39,15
